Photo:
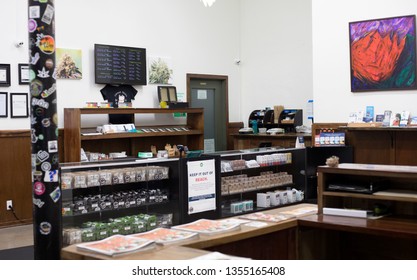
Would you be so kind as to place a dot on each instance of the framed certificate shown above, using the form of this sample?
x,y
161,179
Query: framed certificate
x,y
19,105
4,75
23,70
3,104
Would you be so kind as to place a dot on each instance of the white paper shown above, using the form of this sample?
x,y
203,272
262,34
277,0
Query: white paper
x,y
19,105
209,146
3,105
201,186
3,75
201,94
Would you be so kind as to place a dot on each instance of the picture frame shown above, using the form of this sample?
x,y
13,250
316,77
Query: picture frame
x,y
4,75
23,70
3,104
382,54
19,105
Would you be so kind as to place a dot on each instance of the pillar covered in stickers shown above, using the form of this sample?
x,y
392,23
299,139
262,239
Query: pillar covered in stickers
x,y
47,221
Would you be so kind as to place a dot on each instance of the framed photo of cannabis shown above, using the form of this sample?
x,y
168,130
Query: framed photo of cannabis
x,y
19,105
383,54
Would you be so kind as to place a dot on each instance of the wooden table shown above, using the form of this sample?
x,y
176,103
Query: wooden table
x,y
273,241
338,237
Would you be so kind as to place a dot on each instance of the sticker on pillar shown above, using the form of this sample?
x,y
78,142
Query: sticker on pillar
x,y
34,59
40,112
45,166
42,156
51,176
39,188
55,159
33,136
48,14
53,146
55,119
56,194
37,175
45,43
49,63
45,228
32,25
43,74
38,202
36,87
40,102
46,123
49,91
34,12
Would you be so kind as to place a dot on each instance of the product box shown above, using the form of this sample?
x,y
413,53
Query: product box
x,y
263,200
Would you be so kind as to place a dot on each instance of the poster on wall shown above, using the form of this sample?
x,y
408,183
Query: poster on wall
x,y
201,186
160,70
69,64
383,54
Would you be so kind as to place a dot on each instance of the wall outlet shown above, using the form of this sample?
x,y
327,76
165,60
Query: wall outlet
x,y
9,204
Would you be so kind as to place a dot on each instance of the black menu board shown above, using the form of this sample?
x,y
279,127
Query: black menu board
x,y
119,65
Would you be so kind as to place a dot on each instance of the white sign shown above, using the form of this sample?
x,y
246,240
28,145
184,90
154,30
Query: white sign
x,y
201,186
201,94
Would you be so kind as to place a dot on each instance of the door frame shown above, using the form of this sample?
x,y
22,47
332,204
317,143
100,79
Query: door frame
x,y
224,80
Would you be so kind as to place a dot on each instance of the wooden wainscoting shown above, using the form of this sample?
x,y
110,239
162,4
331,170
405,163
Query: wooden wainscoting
x,y
16,181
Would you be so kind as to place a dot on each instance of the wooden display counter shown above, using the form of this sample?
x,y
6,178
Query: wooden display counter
x,y
286,140
249,242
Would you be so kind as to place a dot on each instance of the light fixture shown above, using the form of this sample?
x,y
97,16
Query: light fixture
x,y
208,3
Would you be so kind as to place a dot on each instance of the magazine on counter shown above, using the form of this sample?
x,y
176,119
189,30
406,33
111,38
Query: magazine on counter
x,y
204,226
117,244
165,236
260,216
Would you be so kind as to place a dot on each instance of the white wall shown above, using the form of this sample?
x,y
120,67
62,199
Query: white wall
x,y
276,52
333,100
197,39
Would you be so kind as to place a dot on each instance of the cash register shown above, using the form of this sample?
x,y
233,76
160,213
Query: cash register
x,y
288,119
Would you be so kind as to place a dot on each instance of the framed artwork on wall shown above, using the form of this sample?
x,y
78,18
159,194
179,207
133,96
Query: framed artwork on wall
x,y
23,74
4,75
19,105
383,54
3,104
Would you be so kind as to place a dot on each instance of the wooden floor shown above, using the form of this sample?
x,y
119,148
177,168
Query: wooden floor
x,y
16,236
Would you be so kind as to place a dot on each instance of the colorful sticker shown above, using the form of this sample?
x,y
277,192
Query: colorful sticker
x,y
48,14
56,194
53,146
45,228
39,188
34,12
38,202
49,91
49,63
45,43
51,176
36,87
55,118
32,25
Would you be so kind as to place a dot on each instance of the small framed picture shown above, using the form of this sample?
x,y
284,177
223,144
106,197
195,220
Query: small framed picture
x,y
23,74
3,104
4,75
19,105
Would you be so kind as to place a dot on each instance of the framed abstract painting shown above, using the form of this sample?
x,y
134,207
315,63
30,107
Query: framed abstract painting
x,y
383,54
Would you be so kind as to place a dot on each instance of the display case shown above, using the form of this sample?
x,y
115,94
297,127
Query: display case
x,y
118,197
260,179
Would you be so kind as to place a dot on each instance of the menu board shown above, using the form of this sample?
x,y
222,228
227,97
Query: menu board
x,y
119,65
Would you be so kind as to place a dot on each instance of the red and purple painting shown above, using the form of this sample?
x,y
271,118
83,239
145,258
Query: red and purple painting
x,y
383,54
